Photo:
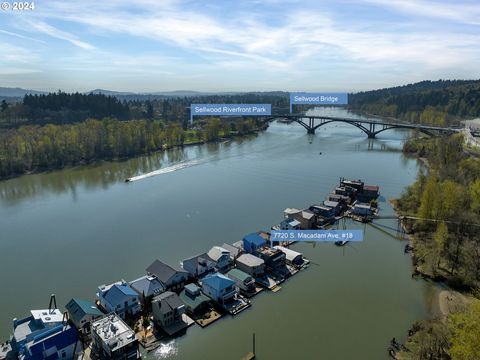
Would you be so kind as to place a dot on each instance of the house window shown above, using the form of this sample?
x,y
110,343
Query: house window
x,y
64,355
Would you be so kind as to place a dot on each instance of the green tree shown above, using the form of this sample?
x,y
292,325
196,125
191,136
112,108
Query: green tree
x,y
428,201
474,190
440,237
465,328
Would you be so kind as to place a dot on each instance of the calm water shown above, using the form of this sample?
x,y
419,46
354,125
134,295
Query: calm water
x,y
68,231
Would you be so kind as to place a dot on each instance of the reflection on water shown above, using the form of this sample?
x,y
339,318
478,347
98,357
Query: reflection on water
x,y
102,174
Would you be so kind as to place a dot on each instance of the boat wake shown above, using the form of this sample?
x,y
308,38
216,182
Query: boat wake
x,y
164,170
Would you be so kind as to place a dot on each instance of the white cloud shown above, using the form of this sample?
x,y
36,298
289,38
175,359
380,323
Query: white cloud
x,y
454,11
297,42
59,34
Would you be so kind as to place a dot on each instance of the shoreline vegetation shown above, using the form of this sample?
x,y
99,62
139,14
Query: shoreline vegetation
x,y
445,248
34,149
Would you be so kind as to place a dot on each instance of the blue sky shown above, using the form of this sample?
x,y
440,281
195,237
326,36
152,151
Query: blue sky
x,y
161,45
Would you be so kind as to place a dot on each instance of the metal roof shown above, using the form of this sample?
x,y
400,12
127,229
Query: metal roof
x,y
254,238
78,308
117,293
238,274
218,281
191,300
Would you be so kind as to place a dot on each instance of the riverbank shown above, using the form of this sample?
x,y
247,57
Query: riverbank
x,y
164,147
429,239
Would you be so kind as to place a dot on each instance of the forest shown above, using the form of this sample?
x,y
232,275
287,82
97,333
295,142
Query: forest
x,y
62,108
35,148
446,243
437,103
447,200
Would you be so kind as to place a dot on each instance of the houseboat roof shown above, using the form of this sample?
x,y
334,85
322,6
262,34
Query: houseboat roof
x,y
330,203
307,214
289,253
37,322
234,251
239,274
162,271
218,281
362,205
321,207
250,260
113,331
216,252
78,308
47,316
255,239
193,298
374,188
291,211
116,293
147,285
167,301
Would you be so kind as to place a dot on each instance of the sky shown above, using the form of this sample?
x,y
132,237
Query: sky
x,y
238,45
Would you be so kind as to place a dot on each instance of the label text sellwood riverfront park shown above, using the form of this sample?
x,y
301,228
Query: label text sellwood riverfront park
x,y
230,110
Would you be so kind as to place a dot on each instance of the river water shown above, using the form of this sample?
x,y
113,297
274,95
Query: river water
x,y
68,231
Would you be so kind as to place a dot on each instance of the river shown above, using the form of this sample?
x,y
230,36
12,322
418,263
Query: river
x,y
68,231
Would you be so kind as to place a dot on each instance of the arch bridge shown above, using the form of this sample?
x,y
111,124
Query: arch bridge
x,y
370,127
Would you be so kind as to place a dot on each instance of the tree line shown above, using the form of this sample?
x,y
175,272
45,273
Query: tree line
x,y
63,108
447,199
34,147
437,103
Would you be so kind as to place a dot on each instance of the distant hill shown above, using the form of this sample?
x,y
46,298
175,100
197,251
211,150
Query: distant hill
x,y
439,102
110,92
18,92
183,93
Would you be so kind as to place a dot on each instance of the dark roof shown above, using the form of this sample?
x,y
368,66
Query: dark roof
x,y
78,308
147,285
163,271
371,188
167,301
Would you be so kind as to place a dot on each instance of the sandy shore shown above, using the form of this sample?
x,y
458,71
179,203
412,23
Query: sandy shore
x,y
448,301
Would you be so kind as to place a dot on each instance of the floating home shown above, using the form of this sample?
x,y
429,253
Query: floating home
x,y
172,278
243,281
45,334
168,310
82,313
305,217
120,298
251,264
113,339
147,287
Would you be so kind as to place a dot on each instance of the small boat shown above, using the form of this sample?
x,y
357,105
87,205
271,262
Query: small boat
x,y
341,242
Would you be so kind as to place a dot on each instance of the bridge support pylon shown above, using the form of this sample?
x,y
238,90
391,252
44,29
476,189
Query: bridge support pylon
x,y
371,135
311,131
